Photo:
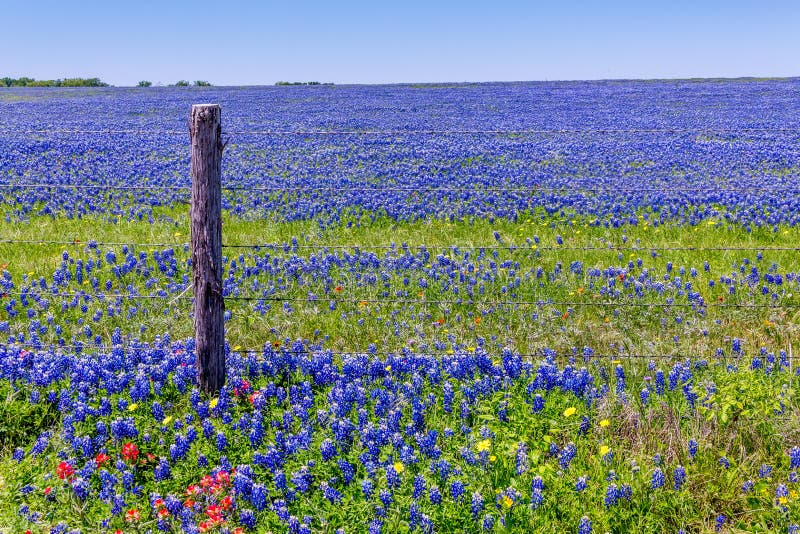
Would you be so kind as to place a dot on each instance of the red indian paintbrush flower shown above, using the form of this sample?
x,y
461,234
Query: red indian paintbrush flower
x,y
130,451
132,515
64,470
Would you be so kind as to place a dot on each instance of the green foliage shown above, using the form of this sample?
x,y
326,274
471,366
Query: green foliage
x,y
302,83
20,421
202,83
66,82
181,83
745,394
144,83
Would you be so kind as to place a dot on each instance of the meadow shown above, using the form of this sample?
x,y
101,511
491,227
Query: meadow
x,y
528,307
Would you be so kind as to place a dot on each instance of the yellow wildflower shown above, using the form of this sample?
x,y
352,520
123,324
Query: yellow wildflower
x,y
213,403
604,423
167,420
492,458
484,445
399,467
605,449
570,411
132,407
507,501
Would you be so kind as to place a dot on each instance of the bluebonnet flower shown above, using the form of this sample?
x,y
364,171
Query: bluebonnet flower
x,y
330,493
538,404
348,472
328,450
247,518
657,479
366,488
794,458
162,470
521,458
537,497
457,490
476,506
258,497
619,372
781,495
612,495
764,471
692,448
679,476
81,487
585,526
567,454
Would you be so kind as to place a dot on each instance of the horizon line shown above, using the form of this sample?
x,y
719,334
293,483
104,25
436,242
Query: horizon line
x,y
426,83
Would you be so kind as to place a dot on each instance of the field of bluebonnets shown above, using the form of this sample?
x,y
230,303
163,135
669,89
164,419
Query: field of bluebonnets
x,y
544,307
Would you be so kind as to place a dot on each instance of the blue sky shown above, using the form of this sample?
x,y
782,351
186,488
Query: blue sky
x,y
237,42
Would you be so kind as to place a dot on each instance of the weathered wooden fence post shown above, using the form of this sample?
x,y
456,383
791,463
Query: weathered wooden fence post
x,y
205,132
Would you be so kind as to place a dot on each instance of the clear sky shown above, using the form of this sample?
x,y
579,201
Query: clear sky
x,y
242,42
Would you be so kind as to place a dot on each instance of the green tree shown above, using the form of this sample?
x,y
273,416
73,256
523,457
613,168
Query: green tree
x,y
144,83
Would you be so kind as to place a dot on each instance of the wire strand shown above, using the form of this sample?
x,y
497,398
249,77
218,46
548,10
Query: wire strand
x,y
407,132
525,247
416,190
438,302
399,352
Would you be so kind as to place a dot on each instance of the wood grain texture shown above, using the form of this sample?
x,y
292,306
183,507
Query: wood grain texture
x,y
205,132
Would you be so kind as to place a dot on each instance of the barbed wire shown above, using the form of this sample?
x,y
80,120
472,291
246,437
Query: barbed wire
x,y
666,188
525,247
439,302
368,352
409,132
34,295
516,248
90,244
45,185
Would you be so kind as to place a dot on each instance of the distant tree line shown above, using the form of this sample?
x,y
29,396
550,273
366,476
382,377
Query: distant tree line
x,y
66,82
303,83
179,83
